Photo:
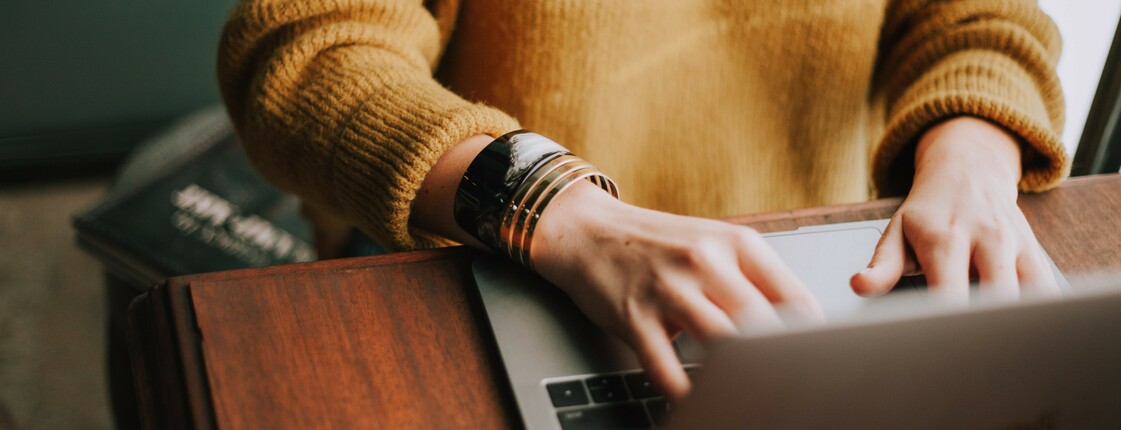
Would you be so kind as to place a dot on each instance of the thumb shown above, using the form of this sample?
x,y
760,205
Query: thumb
x,y
887,263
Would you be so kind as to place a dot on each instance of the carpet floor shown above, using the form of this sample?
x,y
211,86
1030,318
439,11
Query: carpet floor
x,y
52,311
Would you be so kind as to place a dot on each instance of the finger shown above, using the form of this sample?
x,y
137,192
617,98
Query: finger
x,y
889,262
741,301
1036,276
775,281
729,289
996,268
757,315
700,317
746,307
945,261
658,357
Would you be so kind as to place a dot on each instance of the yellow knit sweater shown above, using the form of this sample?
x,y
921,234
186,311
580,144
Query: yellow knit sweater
x,y
701,107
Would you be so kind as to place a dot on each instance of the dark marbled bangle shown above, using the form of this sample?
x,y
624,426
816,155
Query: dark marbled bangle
x,y
493,178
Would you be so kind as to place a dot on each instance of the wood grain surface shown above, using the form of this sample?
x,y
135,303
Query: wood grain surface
x,y
398,341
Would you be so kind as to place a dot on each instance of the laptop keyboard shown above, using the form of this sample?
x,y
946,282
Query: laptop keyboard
x,y
624,400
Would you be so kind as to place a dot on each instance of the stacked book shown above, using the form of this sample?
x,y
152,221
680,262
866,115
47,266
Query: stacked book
x,y
189,201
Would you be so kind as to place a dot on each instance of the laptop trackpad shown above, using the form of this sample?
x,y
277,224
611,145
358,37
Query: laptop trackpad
x,y
825,260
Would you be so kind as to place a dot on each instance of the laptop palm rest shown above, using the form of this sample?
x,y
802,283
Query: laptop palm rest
x,y
539,320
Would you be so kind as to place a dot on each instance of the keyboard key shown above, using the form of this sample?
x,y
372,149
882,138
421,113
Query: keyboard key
x,y
608,388
616,416
569,393
640,386
659,411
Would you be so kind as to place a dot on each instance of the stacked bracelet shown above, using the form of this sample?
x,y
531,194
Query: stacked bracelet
x,y
509,185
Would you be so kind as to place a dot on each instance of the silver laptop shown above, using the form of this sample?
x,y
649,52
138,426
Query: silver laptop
x,y
566,373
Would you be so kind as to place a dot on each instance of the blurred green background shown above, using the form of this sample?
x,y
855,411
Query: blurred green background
x,y
81,81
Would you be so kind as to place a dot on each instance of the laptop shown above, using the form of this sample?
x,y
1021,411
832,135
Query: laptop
x,y
567,373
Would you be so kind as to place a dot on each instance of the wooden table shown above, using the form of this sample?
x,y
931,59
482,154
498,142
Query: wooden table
x,y
397,341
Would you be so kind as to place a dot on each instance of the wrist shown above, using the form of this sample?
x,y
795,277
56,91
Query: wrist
x,y
968,147
430,210
508,187
573,217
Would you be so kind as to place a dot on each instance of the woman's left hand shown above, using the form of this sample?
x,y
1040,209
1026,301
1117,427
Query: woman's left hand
x,y
960,220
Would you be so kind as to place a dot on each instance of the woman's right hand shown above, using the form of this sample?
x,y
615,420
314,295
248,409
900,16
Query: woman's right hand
x,y
642,275
645,276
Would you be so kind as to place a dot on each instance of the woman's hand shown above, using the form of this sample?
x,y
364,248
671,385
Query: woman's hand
x,y
640,274
961,218
645,275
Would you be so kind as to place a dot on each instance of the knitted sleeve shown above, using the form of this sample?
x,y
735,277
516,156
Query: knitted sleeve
x,y
992,59
335,101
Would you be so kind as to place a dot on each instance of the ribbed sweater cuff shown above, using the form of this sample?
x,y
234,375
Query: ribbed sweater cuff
x,y
388,149
980,84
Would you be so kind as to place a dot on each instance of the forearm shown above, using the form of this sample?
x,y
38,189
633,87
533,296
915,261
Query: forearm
x,y
335,102
433,208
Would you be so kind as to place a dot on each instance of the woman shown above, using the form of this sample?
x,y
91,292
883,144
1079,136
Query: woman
x,y
374,110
